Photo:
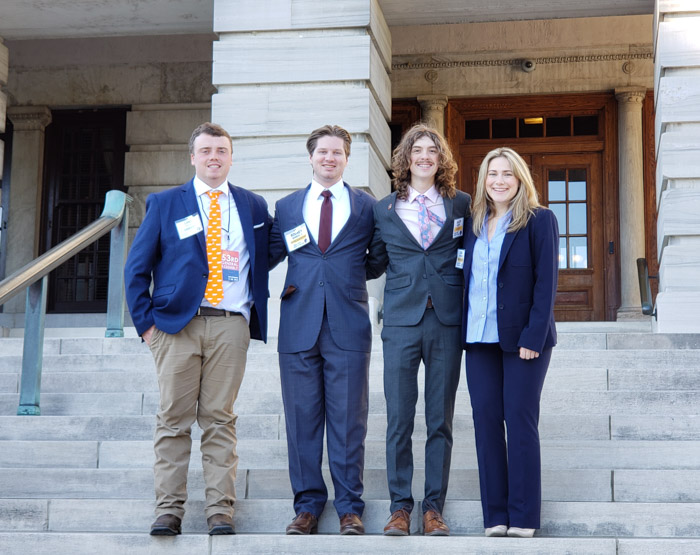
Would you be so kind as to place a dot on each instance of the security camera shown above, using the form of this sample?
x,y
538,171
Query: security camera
x,y
528,66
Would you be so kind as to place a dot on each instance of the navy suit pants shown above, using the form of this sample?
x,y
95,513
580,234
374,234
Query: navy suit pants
x,y
326,386
505,388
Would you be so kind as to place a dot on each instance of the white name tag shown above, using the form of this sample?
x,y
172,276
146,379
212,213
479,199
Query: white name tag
x,y
297,237
189,226
460,259
458,229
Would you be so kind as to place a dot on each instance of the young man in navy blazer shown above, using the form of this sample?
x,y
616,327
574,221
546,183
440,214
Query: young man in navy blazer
x,y
199,341
325,333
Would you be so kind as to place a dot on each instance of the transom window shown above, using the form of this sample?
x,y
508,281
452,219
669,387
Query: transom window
x,y
530,127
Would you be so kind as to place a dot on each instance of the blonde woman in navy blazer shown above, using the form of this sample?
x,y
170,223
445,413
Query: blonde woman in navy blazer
x,y
510,274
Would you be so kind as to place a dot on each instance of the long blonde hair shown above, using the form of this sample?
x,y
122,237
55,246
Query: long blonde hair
x,y
523,203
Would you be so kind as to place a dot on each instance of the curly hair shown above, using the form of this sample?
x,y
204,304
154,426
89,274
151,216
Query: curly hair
x,y
524,202
445,180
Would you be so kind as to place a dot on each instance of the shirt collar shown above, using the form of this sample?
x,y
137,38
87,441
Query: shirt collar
x,y
201,188
336,190
431,194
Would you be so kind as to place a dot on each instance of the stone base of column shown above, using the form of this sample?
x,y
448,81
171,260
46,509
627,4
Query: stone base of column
x,y
677,312
631,314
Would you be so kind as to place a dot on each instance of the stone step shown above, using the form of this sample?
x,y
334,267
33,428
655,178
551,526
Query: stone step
x,y
272,454
137,483
559,519
271,426
614,403
274,544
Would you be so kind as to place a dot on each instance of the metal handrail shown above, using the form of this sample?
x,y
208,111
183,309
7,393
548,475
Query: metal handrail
x,y
645,287
34,277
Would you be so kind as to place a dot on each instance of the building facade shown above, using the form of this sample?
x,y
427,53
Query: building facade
x,y
602,101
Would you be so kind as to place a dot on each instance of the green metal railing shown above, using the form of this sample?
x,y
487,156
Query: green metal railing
x,y
645,287
34,277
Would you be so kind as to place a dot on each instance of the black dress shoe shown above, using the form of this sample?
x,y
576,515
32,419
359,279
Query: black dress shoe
x,y
351,525
303,523
166,525
220,525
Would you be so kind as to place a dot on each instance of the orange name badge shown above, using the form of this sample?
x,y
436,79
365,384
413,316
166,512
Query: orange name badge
x,y
230,265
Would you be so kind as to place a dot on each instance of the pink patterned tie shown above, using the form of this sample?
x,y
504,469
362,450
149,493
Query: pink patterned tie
x,y
426,236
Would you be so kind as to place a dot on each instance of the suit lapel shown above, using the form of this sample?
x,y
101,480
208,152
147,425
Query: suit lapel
x,y
507,243
245,215
357,206
399,222
448,204
189,199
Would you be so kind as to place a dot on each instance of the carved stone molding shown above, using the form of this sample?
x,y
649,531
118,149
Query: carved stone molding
x,y
630,95
29,118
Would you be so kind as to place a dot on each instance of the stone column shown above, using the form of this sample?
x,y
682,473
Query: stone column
x,y
677,86
631,178
23,219
284,68
433,110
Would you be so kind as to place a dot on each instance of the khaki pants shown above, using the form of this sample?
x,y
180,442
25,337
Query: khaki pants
x,y
200,370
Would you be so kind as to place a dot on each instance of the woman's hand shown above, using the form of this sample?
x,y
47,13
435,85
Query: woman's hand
x,y
527,354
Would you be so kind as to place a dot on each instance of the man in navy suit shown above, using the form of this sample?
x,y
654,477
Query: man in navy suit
x,y
325,332
198,321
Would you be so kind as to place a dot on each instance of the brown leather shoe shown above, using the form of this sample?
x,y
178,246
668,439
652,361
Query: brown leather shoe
x,y
166,525
220,525
303,523
351,525
399,524
434,525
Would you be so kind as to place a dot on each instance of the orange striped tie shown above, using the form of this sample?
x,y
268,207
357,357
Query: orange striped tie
x,y
214,292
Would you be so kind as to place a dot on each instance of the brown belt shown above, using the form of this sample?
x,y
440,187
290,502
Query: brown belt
x,y
429,304
211,311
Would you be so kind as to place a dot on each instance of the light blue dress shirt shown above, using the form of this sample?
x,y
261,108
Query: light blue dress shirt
x,y
482,322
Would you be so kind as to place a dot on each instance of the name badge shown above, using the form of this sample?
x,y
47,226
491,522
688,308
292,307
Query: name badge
x,y
297,237
458,229
189,226
230,265
460,259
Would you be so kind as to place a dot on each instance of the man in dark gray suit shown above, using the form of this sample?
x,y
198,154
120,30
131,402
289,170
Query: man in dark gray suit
x,y
418,232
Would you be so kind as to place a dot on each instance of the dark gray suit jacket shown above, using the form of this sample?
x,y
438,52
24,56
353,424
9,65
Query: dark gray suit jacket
x,y
413,274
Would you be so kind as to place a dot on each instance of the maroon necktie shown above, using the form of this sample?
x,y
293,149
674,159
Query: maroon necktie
x,y
326,223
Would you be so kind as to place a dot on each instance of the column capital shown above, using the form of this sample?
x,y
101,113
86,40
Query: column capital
x,y
29,118
631,95
432,101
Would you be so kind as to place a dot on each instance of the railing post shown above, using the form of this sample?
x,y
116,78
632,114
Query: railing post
x,y
115,291
33,353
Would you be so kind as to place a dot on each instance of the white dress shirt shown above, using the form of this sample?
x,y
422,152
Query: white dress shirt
x,y
237,296
340,198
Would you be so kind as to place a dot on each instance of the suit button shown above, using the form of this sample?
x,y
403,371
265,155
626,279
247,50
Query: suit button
x,y
500,307
205,276
425,253
500,285
320,283
324,257
425,277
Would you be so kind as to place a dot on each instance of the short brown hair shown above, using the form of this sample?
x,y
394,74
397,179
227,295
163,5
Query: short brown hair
x,y
445,181
208,128
328,130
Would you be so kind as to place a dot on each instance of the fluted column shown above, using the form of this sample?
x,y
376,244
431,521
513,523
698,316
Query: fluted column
x,y
631,179
433,110
23,218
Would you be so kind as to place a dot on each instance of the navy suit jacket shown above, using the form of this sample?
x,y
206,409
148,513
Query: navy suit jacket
x,y
413,273
527,283
178,267
334,279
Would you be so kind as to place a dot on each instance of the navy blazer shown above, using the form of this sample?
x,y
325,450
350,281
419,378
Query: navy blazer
x,y
178,267
412,273
527,283
334,279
